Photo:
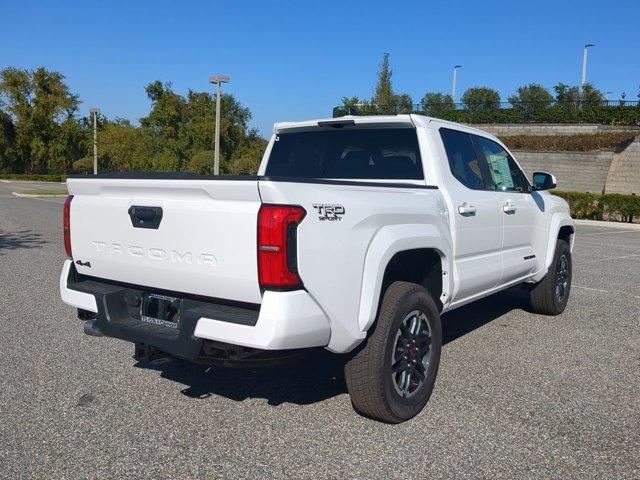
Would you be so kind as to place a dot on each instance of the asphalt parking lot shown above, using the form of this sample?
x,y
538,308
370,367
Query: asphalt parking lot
x,y
517,396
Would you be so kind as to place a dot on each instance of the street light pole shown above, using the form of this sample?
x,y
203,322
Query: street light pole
x,y
95,111
585,56
217,80
453,83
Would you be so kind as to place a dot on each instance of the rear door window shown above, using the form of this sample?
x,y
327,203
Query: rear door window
x,y
359,153
464,162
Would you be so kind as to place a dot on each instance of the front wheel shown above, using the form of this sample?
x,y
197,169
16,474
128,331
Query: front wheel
x,y
391,378
550,296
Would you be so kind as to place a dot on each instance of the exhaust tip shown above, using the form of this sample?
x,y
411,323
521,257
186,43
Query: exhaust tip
x,y
90,328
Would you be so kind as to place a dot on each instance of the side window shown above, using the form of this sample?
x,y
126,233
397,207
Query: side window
x,y
463,161
505,173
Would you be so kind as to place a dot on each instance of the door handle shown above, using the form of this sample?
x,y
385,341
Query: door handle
x,y
466,210
509,207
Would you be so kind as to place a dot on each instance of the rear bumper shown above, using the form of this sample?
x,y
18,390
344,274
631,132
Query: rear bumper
x,y
284,320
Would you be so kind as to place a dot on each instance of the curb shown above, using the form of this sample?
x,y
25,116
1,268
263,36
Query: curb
x,y
600,223
30,195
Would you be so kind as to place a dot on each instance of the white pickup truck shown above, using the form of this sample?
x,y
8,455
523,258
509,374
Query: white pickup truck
x,y
356,235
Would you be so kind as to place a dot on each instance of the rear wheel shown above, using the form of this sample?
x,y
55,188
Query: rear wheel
x,y
550,296
391,378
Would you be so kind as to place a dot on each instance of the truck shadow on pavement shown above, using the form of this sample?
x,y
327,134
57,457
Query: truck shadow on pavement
x,y
21,239
315,375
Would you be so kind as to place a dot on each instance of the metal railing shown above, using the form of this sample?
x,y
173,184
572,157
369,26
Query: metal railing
x,y
626,112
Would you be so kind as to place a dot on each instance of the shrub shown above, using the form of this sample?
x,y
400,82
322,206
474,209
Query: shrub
x,y
83,165
611,206
569,143
582,205
624,207
33,177
483,113
620,115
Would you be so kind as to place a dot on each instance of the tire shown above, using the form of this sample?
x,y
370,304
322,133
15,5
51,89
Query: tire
x,y
550,296
375,391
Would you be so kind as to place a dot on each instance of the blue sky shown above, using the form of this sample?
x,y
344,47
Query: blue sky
x,y
295,60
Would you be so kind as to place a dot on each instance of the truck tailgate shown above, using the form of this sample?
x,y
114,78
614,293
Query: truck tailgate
x,y
204,244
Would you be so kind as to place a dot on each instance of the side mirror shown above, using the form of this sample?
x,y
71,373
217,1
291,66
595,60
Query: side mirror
x,y
543,181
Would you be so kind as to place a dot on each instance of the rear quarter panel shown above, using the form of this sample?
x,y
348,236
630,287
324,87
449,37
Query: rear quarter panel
x,y
341,262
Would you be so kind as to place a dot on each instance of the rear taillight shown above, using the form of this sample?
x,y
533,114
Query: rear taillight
x,y
277,246
66,224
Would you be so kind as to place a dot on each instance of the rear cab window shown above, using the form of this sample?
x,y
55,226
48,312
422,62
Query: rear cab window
x,y
349,153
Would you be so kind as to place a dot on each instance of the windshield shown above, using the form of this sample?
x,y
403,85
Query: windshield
x,y
364,153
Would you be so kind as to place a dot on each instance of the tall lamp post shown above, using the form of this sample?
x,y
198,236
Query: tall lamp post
x,y
453,83
217,80
585,56
95,111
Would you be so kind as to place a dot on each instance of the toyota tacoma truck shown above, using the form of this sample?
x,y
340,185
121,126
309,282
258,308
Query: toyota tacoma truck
x,y
356,235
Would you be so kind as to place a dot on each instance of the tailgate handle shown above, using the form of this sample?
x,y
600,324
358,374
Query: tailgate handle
x,y
145,217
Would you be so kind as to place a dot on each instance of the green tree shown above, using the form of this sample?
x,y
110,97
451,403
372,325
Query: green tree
x,y
38,101
166,121
481,98
353,105
531,97
166,161
567,96
73,142
385,100
384,96
123,147
246,159
434,102
39,131
7,143
184,127
591,96
403,103
201,163
574,97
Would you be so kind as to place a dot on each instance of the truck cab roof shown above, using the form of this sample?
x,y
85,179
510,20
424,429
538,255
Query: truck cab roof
x,y
412,119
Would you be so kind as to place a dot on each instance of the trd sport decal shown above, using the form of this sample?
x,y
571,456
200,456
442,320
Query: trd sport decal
x,y
329,212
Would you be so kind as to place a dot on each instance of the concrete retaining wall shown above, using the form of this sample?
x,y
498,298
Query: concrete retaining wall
x,y
537,129
574,171
595,172
624,174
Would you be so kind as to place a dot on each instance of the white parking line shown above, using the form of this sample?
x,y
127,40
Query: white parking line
x,y
611,258
49,199
610,232
618,292
610,245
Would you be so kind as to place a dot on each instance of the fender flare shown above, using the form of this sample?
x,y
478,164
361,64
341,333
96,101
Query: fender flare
x,y
387,242
558,220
